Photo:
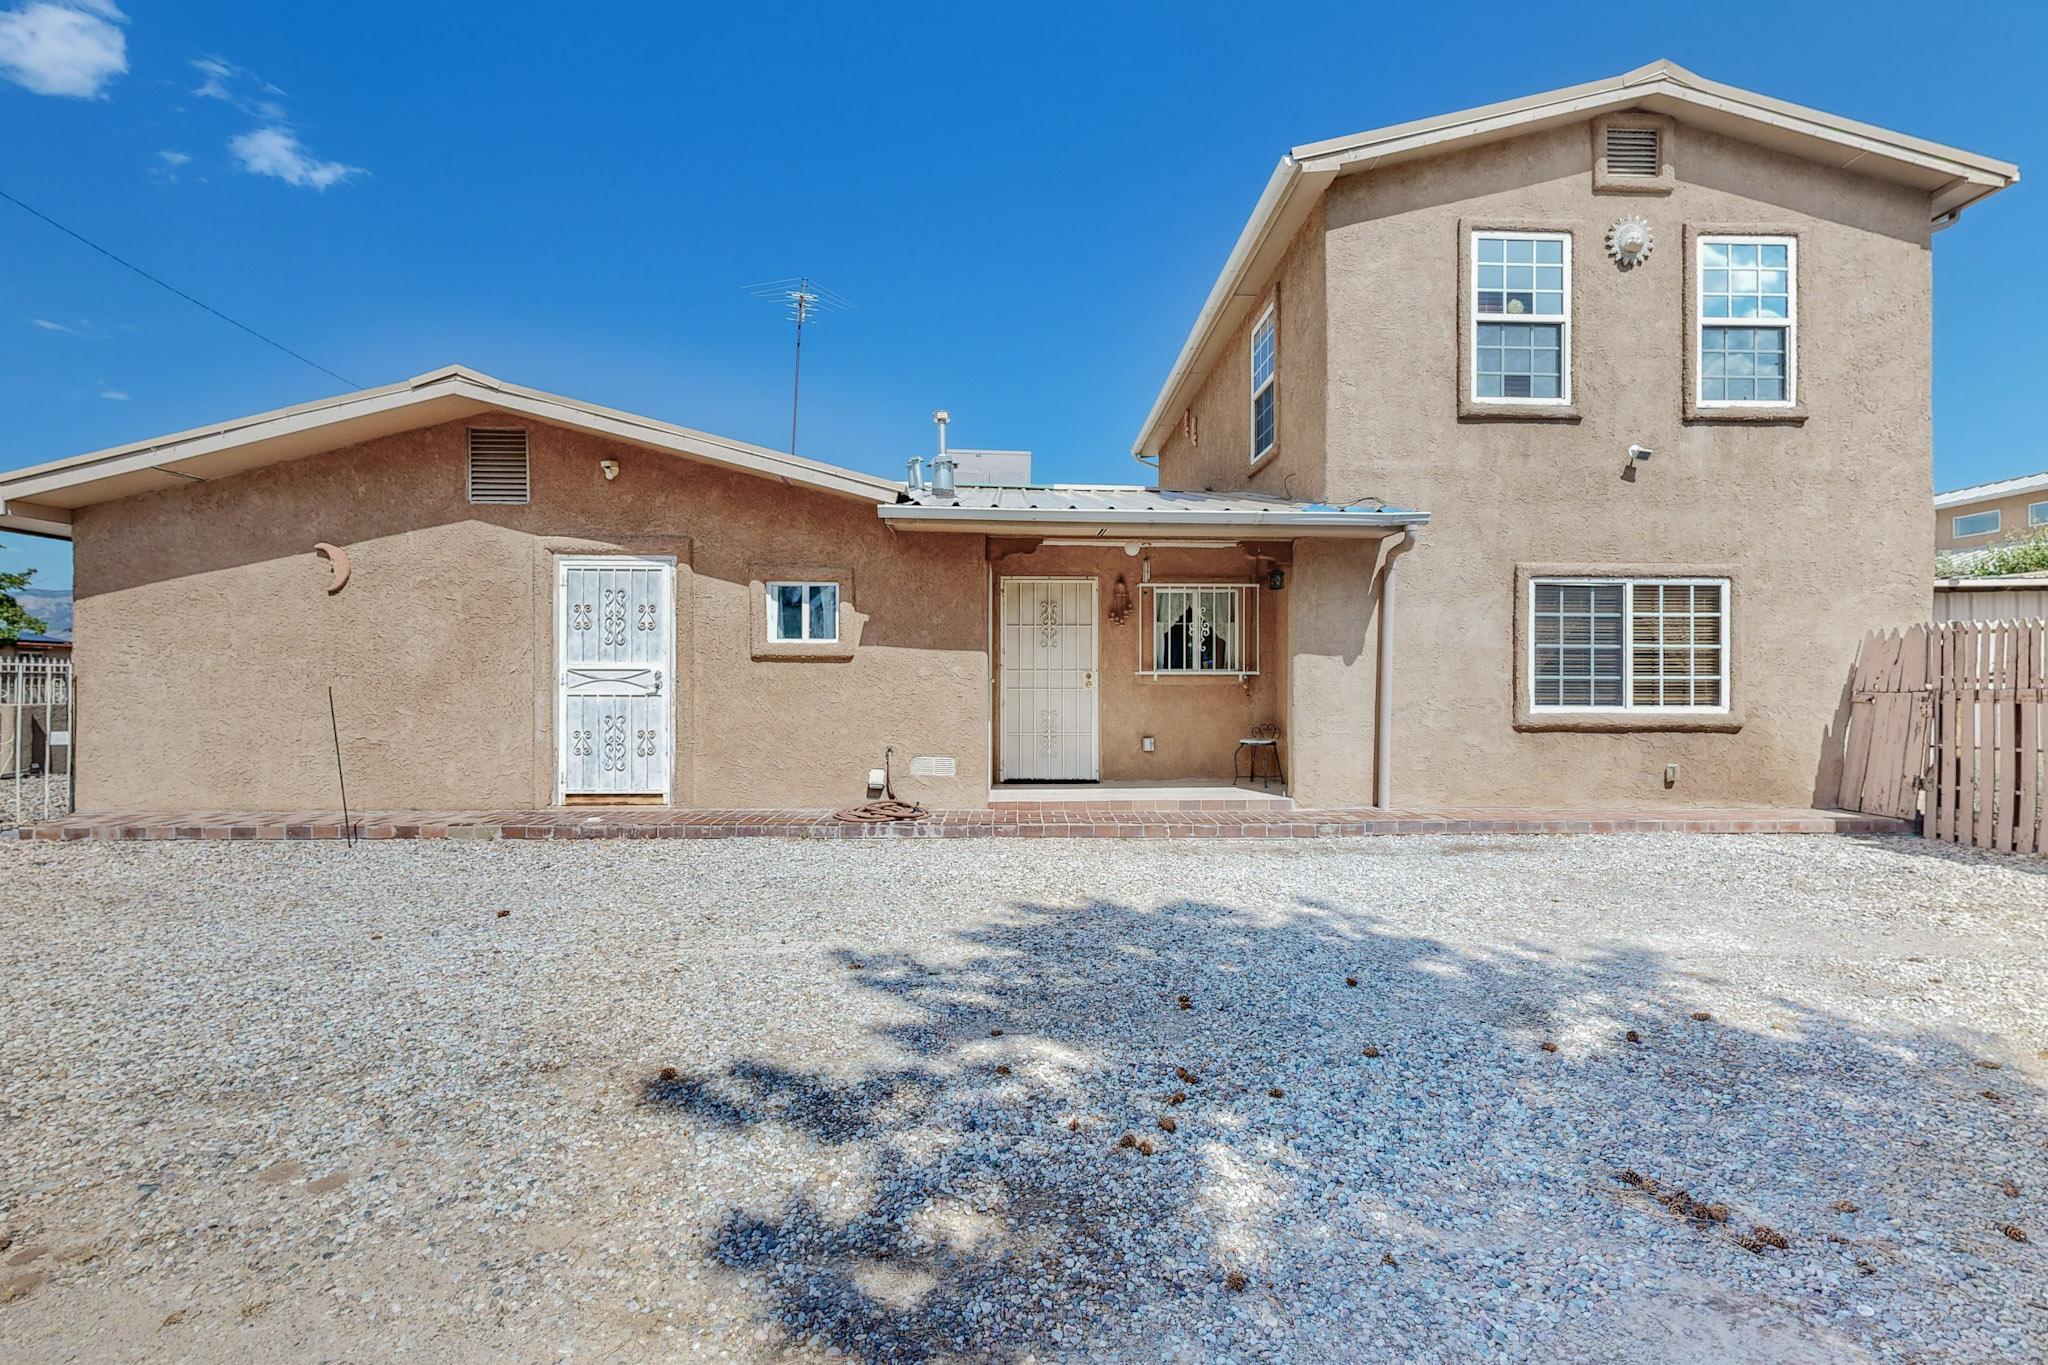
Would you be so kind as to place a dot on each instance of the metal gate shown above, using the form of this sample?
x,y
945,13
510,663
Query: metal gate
x,y
615,624
35,736
1048,681
1946,725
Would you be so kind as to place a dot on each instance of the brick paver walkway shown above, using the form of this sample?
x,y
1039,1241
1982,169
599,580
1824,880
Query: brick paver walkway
x,y
1109,820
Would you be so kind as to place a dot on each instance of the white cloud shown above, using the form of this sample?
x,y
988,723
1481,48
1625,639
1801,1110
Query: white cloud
x,y
171,158
277,151
68,48
116,395
49,326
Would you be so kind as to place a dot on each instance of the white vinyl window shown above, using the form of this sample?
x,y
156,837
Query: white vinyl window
x,y
2037,514
1658,644
1198,628
1748,307
1521,317
803,611
1264,391
1976,524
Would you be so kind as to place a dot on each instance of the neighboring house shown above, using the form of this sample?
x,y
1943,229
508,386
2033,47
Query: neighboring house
x,y
1494,316
1987,514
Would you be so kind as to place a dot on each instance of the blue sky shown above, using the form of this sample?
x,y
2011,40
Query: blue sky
x,y
1026,203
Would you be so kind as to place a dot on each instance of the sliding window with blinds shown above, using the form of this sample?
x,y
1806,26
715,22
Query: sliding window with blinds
x,y
1628,644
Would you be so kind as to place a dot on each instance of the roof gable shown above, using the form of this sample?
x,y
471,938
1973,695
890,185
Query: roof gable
x,y
40,499
1952,179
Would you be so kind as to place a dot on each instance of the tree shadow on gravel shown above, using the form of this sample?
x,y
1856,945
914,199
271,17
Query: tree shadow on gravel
x,y
1398,1203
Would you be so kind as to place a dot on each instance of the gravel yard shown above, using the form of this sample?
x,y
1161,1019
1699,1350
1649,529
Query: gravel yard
x,y
755,1098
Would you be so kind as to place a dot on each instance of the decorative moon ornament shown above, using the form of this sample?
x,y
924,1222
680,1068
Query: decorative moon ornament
x,y
337,558
1629,242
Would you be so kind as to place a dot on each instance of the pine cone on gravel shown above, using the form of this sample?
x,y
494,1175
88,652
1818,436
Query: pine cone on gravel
x,y
1127,1140
1166,1122
1236,1280
1701,1016
1182,1074
1548,1046
1177,1097
1370,1051
1633,1036
2014,1231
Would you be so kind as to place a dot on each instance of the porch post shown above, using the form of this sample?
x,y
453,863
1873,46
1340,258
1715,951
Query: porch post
x,y
1383,699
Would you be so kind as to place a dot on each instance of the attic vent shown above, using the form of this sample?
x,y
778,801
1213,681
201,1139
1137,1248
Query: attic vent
x,y
497,466
1634,151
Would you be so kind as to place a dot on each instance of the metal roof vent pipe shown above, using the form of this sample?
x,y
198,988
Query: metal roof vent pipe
x,y
942,463
916,481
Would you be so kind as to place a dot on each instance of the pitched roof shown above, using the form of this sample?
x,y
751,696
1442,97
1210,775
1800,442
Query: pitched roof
x,y
1114,508
1953,179
40,499
1987,492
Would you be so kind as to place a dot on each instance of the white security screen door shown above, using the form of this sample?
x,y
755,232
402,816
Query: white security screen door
x,y
615,627
1048,681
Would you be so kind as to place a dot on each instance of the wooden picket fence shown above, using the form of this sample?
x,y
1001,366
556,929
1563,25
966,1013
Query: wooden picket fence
x,y
1946,725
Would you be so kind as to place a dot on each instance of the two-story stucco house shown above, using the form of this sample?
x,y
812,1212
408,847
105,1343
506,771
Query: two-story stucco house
x,y
1471,479
1988,514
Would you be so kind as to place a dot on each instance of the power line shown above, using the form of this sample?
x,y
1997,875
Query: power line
x,y
268,341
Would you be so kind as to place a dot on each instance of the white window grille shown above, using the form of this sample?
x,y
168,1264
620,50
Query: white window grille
x,y
1265,393
1198,629
803,612
1521,317
1748,313
1657,644
1976,524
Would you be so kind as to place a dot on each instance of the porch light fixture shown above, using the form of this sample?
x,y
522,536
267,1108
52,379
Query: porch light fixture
x,y
1119,601
1277,579
610,468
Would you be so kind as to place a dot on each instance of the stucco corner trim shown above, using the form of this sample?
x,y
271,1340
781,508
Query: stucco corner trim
x,y
1471,409
1666,179
1740,660
760,647
1691,411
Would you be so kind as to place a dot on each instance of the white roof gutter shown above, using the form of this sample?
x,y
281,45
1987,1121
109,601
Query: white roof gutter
x,y
1114,525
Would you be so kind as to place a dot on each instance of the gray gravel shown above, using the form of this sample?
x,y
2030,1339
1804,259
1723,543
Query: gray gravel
x,y
303,1100
31,800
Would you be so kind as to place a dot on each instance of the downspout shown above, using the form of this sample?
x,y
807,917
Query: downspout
x,y
1383,696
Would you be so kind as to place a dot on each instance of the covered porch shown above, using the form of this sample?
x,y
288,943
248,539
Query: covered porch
x,y
1164,650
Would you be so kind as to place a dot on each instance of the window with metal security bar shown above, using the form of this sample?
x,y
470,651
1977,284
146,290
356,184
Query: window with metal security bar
x,y
1628,645
1196,629
1634,151
498,470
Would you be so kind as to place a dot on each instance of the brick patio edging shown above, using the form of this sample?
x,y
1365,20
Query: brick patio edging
x,y
1071,821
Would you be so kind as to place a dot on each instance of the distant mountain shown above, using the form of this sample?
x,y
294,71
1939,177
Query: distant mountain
x,y
53,605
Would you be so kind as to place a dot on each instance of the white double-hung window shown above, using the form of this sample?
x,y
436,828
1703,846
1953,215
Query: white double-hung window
x,y
803,611
1265,395
1748,311
1521,317
1657,644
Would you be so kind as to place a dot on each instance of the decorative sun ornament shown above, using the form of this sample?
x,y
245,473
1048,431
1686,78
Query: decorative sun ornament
x,y
1629,242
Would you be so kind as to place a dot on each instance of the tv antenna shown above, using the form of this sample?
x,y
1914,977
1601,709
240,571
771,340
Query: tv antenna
x,y
804,299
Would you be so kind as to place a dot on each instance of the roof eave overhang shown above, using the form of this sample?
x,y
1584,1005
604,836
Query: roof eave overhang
x,y
35,519
2016,488
1954,180
297,432
1156,525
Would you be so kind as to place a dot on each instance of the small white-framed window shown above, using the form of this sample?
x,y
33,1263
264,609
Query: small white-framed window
x,y
1190,629
1976,524
807,612
1619,644
2037,515
1521,317
1265,391
1747,302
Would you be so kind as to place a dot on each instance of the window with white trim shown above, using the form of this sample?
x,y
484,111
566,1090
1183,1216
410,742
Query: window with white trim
x,y
1976,524
807,612
2037,514
1748,309
1521,317
1198,628
1265,393
1617,644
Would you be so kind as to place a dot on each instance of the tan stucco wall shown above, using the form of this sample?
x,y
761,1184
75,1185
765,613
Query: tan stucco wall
x,y
2012,521
207,641
1825,523
1196,722
1220,456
